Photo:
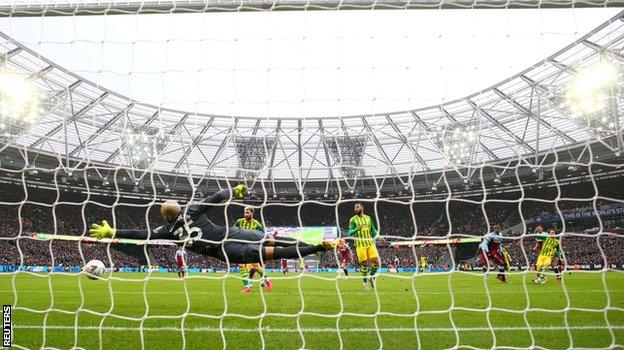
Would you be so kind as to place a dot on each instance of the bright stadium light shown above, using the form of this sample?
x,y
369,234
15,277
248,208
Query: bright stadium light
x,y
18,98
457,141
144,144
589,91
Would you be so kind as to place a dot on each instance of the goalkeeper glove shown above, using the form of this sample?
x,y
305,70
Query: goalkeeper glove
x,y
239,191
102,231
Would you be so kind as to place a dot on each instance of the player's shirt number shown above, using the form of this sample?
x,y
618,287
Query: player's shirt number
x,y
187,233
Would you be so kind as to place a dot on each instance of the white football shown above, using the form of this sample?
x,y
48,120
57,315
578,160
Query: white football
x,y
94,269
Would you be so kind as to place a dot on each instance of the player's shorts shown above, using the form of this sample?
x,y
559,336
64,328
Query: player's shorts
x,y
493,256
181,266
345,260
544,260
366,253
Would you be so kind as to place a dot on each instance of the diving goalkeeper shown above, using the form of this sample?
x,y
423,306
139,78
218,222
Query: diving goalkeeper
x,y
196,233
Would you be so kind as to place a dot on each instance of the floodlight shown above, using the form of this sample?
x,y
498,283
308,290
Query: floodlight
x,y
18,97
457,141
589,91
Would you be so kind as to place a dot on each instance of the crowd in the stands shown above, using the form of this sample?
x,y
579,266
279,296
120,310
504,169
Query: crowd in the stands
x,y
68,213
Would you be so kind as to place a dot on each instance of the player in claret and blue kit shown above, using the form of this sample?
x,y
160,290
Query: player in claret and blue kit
x,y
194,231
181,262
491,249
345,256
395,264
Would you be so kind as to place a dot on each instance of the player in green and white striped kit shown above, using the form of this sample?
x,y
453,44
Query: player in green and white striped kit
x,y
247,271
550,248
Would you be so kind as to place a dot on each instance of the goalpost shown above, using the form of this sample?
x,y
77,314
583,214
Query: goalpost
x,y
109,109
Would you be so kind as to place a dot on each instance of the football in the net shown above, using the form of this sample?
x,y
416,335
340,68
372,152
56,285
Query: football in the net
x,y
94,269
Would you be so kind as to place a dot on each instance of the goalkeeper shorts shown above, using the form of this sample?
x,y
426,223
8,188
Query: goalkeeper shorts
x,y
366,253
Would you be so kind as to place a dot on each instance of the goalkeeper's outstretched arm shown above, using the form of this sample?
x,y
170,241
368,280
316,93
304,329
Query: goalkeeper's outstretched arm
x,y
219,197
106,231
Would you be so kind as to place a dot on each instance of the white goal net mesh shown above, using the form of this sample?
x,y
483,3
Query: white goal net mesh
x,y
108,110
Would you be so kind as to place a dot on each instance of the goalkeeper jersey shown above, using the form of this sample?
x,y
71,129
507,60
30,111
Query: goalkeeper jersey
x,y
193,230
363,235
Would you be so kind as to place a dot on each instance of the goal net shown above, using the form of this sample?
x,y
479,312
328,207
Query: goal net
x,y
465,158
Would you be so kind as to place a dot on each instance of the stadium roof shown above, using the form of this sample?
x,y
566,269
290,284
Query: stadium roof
x,y
522,116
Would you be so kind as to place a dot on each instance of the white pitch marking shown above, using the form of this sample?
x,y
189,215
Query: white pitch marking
x,y
315,330
532,291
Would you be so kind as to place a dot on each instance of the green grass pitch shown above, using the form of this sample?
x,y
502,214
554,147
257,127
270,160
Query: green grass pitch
x,y
315,311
